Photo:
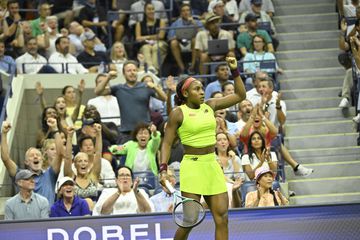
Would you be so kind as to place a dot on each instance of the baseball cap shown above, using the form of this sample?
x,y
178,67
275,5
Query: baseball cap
x,y
215,3
256,2
24,175
250,17
64,180
87,36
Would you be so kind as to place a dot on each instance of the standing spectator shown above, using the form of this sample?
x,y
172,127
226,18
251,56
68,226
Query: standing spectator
x,y
244,39
264,196
222,75
164,200
350,9
153,46
138,7
45,180
12,30
176,44
89,58
93,16
50,34
213,31
267,6
126,198
133,98
26,204
44,11
68,205
7,63
141,150
30,62
107,105
155,105
62,61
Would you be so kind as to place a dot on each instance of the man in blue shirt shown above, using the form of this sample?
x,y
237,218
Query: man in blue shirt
x,y
222,74
44,179
68,205
7,63
185,20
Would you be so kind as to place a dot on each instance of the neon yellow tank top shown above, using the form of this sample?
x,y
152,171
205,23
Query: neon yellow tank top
x,y
198,126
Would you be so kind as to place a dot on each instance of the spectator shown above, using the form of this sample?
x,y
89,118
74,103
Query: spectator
x,y
199,7
218,8
45,180
44,11
213,31
164,200
253,94
153,46
126,198
7,63
45,131
62,61
263,17
258,155
244,40
107,175
106,105
252,61
26,204
48,150
139,7
226,157
350,9
51,33
12,31
275,110
264,196
231,9
245,109
222,75
86,176
119,23
141,150
133,98
155,105
229,117
73,102
177,44
267,6
93,16
89,58
68,205
118,56
259,123
30,62
228,88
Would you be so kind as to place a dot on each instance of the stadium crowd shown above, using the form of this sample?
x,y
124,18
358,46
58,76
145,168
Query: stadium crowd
x,y
103,157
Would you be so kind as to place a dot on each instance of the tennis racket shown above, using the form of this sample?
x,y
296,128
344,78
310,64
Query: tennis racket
x,y
187,212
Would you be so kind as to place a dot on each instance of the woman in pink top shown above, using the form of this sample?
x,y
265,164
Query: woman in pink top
x,y
264,196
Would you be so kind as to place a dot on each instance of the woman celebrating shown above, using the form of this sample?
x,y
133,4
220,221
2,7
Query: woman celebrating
x,y
264,196
194,122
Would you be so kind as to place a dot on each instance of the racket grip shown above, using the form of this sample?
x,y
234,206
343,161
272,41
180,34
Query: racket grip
x,y
169,186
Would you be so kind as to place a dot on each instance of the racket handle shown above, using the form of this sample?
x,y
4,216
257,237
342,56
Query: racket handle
x,y
169,186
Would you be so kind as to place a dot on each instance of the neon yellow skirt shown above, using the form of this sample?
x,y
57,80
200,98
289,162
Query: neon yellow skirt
x,y
201,174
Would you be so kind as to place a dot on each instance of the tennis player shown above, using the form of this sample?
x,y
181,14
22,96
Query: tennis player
x,y
194,122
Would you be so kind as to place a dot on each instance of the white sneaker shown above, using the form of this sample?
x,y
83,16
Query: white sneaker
x,y
344,103
356,119
303,171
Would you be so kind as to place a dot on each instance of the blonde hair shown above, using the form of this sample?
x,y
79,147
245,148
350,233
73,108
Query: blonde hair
x,y
45,146
112,53
80,154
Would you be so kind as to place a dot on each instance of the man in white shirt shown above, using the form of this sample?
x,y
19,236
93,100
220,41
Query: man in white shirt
x,y
253,95
125,199
30,62
62,61
107,105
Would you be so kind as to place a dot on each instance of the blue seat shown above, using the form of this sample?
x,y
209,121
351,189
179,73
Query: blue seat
x,y
147,179
265,26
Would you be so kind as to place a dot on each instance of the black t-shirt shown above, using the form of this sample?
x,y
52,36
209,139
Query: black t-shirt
x,y
89,61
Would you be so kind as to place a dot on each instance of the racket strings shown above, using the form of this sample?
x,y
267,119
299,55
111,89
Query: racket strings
x,y
188,213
